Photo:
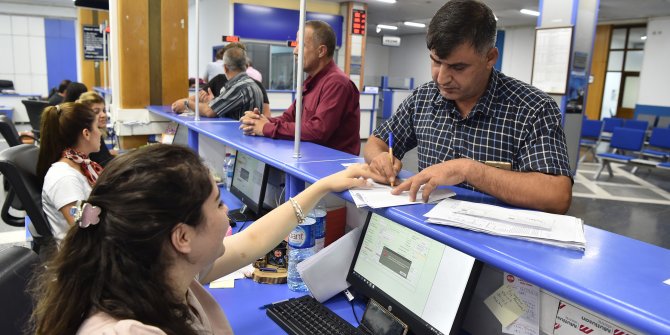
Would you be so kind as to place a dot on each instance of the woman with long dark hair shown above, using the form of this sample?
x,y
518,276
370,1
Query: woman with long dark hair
x,y
151,231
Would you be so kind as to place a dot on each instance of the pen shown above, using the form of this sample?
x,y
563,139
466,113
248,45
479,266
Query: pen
x,y
268,269
391,153
274,303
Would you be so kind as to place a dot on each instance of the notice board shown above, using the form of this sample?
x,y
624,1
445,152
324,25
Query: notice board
x,y
93,43
551,59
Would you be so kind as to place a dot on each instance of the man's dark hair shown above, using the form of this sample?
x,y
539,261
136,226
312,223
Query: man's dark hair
x,y
323,34
235,59
459,22
63,85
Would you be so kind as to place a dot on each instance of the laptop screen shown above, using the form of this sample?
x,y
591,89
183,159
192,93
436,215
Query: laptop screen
x,y
423,282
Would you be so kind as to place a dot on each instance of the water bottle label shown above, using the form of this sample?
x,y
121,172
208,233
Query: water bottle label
x,y
302,237
320,227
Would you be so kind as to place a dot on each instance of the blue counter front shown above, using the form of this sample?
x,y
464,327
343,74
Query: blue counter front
x,y
618,277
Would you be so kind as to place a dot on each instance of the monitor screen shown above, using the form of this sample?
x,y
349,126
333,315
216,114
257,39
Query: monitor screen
x,y
423,282
250,177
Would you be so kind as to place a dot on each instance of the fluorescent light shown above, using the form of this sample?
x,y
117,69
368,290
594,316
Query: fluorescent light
x,y
387,1
414,24
495,17
644,38
530,12
383,26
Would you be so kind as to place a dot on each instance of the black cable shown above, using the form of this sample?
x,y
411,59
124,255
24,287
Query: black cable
x,y
354,310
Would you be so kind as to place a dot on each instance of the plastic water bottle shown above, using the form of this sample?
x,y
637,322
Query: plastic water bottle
x,y
228,167
300,247
319,215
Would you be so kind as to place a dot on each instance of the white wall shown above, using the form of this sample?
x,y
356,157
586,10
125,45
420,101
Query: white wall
x,y
411,59
518,52
24,59
655,69
376,61
215,21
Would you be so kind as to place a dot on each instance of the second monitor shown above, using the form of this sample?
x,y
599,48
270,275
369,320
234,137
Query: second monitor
x,y
249,183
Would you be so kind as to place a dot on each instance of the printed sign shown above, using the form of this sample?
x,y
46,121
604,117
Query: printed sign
x,y
93,43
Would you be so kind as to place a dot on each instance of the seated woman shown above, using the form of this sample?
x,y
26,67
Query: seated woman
x,y
69,133
96,103
151,231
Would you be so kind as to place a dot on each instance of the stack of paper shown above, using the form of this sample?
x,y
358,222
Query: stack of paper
x,y
559,230
379,196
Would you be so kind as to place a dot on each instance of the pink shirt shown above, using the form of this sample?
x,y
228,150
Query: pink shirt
x,y
331,113
212,320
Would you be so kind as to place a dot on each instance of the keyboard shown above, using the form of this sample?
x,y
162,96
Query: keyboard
x,y
307,316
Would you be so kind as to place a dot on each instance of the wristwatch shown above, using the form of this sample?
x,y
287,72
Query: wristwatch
x,y
186,104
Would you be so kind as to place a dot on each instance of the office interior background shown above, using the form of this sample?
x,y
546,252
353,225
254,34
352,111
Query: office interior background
x,y
42,40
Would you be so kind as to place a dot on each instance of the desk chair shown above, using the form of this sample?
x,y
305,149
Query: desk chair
x,y
17,165
11,135
17,265
34,109
623,139
6,85
590,138
8,131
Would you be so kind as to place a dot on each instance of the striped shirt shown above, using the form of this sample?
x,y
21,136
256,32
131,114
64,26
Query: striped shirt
x,y
511,122
238,95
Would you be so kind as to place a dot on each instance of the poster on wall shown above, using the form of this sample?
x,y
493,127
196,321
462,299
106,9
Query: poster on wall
x,y
93,43
551,59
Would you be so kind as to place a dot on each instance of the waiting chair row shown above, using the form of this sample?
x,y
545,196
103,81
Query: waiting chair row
x,y
628,147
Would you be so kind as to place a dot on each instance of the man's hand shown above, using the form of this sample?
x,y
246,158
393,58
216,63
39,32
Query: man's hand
x,y
447,173
205,97
179,106
381,166
252,123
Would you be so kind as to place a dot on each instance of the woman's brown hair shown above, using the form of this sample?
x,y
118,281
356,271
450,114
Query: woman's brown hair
x,y
119,266
60,128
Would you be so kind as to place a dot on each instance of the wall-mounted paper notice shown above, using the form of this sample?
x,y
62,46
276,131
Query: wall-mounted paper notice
x,y
506,305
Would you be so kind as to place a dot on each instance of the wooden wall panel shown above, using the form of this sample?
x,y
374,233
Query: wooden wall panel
x,y
174,46
91,70
133,54
601,46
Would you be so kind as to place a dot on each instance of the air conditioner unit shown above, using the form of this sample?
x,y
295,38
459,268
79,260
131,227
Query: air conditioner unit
x,y
391,41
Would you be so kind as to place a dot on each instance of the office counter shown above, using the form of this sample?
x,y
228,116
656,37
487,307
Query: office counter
x,y
618,277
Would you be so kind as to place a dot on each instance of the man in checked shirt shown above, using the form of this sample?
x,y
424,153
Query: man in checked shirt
x,y
471,117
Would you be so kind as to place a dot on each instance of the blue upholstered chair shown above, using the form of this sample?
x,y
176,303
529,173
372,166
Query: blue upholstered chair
x,y
623,140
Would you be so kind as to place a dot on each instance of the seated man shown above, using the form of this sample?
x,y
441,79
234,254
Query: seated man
x,y
471,117
217,82
240,92
58,96
331,112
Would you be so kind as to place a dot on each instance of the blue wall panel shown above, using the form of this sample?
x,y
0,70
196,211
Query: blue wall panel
x,y
277,24
61,51
500,44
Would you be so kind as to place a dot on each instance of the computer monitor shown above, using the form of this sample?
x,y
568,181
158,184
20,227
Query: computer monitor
x,y
249,182
424,283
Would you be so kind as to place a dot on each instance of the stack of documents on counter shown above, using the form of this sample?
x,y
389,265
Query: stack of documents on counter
x,y
558,230
379,196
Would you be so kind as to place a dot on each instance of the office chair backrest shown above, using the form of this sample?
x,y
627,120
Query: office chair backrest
x,y
636,124
660,137
34,109
627,139
591,128
18,166
17,265
6,85
8,131
611,123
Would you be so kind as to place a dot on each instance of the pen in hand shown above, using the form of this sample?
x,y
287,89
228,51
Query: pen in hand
x,y
391,155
